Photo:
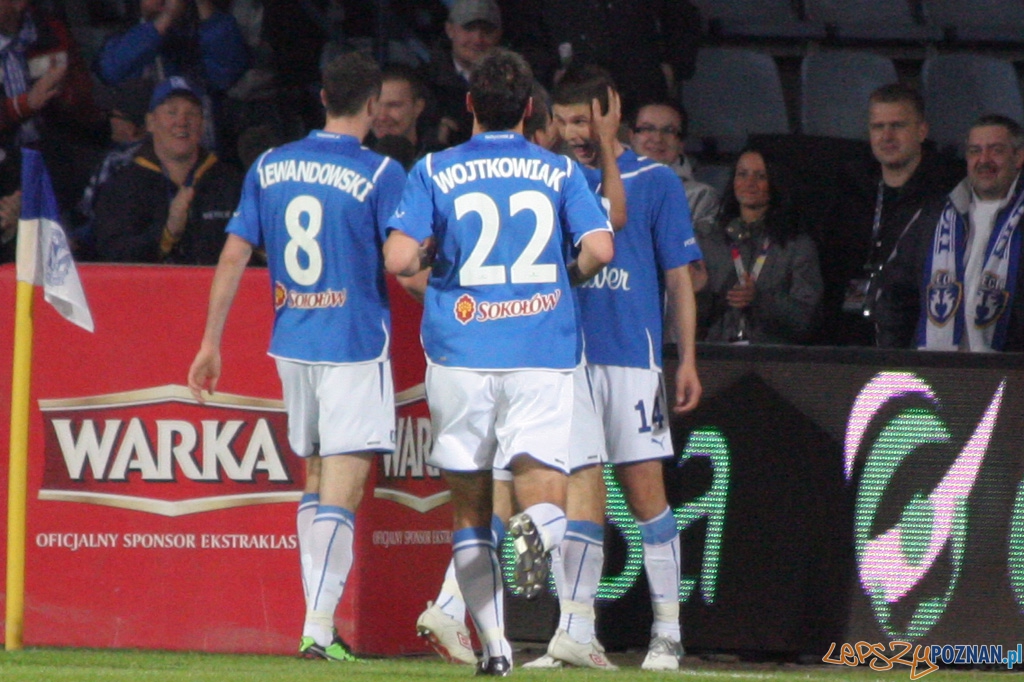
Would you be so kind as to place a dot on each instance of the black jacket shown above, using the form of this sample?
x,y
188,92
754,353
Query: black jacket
x,y
132,208
847,244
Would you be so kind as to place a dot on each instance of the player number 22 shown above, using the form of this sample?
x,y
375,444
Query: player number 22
x,y
303,219
525,269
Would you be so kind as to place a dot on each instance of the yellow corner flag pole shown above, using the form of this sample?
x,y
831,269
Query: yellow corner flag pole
x,y
17,481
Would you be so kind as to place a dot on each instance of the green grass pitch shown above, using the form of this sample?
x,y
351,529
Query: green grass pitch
x,y
91,665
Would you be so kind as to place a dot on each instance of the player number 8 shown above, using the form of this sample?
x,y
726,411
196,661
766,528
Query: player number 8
x,y
303,219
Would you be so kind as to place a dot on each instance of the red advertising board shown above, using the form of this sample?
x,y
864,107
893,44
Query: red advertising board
x,y
154,522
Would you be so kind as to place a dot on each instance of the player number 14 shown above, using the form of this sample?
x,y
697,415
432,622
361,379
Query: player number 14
x,y
657,416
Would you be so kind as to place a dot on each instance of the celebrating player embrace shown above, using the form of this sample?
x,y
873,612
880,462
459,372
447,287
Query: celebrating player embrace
x,y
500,329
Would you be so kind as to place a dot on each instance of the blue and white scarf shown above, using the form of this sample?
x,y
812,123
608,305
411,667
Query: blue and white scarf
x,y
15,70
946,313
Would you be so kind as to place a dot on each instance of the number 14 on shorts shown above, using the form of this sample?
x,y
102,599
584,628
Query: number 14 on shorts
x,y
657,417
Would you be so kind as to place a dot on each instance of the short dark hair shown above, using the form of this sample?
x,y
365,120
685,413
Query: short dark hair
x,y
348,81
1012,127
898,93
404,72
582,84
541,114
500,88
684,120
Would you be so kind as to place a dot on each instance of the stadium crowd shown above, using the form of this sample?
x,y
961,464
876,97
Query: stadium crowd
x,y
148,132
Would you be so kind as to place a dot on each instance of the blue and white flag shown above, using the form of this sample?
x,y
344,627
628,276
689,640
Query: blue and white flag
x,y
44,257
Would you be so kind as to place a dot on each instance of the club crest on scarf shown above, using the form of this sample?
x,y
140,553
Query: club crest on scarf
x,y
992,300
944,295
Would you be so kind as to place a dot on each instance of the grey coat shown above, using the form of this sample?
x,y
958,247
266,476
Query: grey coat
x,y
789,288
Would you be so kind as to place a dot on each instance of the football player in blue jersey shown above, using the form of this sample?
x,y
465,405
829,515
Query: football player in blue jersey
x,y
622,330
492,217
443,621
318,208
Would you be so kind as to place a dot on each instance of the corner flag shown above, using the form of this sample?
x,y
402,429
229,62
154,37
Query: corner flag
x,y
44,258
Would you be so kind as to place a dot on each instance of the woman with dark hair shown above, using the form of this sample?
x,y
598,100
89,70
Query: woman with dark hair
x,y
764,282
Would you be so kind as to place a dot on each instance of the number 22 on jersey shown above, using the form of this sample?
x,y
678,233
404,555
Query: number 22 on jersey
x,y
525,269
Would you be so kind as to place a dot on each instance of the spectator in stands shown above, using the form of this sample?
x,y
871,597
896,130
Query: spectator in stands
x,y
172,203
875,208
968,257
43,72
648,46
764,283
190,38
473,30
402,100
46,100
126,107
659,132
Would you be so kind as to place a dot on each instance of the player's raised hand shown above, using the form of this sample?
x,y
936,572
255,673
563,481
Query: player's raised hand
x,y
688,388
606,124
204,372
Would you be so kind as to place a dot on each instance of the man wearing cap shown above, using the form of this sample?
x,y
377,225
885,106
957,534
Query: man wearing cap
x,y
171,204
473,30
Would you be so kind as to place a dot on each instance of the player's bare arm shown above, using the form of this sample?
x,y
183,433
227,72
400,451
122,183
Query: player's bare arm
x,y
596,250
205,369
679,287
404,256
606,130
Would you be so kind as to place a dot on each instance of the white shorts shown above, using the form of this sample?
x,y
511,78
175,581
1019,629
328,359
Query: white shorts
x,y
341,408
631,402
586,444
481,420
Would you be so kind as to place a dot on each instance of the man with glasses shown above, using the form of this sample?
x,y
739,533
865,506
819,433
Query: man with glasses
x,y
659,133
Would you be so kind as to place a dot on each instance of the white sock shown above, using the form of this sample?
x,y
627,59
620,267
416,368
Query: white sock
x,y
550,521
479,574
332,535
304,527
449,599
583,558
662,562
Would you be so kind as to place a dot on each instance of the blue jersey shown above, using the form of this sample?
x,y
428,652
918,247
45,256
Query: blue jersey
x,y
318,207
622,305
501,210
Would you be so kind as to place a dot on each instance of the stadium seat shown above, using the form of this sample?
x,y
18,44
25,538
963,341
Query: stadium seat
x,y
734,92
834,90
977,20
874,20
957,88
757,19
